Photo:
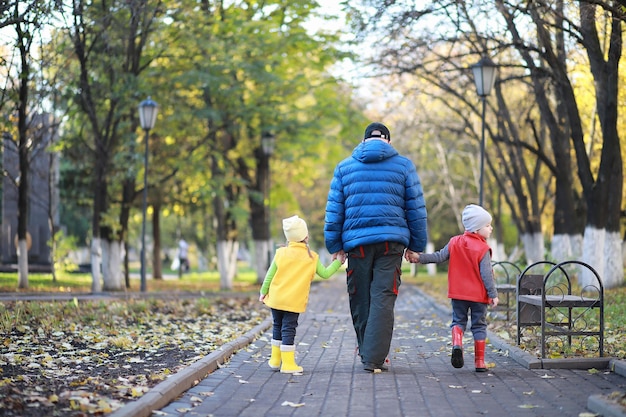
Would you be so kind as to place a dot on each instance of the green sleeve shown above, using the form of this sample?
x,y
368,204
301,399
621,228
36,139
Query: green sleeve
x,y
265,288
327,272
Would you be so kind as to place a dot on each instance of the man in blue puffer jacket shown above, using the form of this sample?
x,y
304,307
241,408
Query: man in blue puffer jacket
x,y
375,210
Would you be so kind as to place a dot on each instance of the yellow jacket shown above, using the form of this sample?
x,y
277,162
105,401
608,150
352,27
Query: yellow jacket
x,y
288,279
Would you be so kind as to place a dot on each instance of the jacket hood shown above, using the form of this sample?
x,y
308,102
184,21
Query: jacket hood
x,y
373,151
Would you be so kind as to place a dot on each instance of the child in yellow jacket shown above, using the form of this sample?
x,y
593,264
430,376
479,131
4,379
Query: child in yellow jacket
x,y
286,290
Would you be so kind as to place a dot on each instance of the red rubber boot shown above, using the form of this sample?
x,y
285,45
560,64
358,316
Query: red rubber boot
x,y
479,356
457,347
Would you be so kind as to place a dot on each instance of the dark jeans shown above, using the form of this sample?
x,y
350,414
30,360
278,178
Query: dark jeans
x,y
374,276
460,309
285,323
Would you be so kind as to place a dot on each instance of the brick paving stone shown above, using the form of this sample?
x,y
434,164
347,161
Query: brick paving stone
x,y
421,382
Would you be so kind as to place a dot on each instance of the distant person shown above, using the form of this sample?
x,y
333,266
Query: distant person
x,y
375,210
471,285
286,290
183,256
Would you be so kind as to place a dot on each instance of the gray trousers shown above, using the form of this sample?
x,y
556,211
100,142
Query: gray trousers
x,y
373,278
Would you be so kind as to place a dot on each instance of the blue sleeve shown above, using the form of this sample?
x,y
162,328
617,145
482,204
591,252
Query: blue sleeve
x,y
415,208
335,214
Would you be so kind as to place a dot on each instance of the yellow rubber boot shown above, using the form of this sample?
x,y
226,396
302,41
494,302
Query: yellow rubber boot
x,y
288,356
275,359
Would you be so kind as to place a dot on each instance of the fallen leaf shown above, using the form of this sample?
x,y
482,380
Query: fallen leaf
x,y
527,406
183,409
290,404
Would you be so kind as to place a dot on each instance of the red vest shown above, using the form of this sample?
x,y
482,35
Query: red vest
x,y
464,280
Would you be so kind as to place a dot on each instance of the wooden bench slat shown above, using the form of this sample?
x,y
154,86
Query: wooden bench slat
x,y
560,300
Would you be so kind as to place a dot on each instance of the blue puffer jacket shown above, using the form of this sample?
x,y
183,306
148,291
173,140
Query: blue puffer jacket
x,y
375,196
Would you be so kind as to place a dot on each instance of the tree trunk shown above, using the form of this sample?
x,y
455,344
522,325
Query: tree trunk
x,y
533,247
128,193
604,195
96,261
111,265
22,263
100,206
566,246
227,262
23,152
262,258
157,270
260,216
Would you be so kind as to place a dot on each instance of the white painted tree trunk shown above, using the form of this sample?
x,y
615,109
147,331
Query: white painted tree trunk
x,y
22,263
533,247
602,251
261,258
497,250
227,262
96,261
430,268
112,265
613,260
566,247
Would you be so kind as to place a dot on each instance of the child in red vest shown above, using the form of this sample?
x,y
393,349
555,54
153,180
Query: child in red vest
x,y
471,286
286,290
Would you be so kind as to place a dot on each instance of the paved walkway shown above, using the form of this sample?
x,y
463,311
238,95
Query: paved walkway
x,y
420,381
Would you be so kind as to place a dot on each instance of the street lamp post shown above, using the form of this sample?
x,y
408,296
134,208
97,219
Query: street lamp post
x,y
268,141
484,78
147,117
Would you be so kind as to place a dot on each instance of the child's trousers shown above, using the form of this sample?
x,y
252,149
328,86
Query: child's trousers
x,y
284,328
461,311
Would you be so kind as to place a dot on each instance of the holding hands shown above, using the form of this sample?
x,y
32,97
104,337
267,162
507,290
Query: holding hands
x,y
413,257
341,255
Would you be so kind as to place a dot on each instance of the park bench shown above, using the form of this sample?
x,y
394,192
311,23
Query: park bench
x,y
505,274
545,301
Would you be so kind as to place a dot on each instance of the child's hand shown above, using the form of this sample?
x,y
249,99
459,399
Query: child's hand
x,y
262,297
494,302
411,256
341,255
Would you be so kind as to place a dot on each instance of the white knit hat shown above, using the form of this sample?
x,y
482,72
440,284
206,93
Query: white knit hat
x,y
295,229
475,217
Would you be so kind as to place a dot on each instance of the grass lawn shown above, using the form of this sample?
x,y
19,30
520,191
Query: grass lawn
x,y
81,283
208,282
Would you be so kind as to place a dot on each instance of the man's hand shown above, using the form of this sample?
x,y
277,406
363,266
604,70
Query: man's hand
x,y
341,255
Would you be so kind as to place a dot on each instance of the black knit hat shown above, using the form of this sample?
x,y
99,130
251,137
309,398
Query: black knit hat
x,y
377,127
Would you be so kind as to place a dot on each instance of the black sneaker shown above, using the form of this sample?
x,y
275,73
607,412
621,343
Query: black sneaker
x,y
370,367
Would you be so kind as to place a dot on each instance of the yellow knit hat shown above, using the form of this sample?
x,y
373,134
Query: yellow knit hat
x,y
295,229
